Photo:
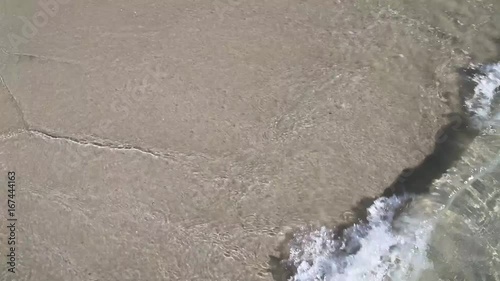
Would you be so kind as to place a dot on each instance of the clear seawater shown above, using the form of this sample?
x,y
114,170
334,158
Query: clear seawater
x,y
451,232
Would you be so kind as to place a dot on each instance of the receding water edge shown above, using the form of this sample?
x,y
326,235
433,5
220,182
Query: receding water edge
x,y
380,243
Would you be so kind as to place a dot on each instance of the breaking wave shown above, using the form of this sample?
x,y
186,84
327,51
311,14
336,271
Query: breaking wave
x,y
393,242
481,105
375,250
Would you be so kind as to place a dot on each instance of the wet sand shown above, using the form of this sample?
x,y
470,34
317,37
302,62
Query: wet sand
x,y
179,140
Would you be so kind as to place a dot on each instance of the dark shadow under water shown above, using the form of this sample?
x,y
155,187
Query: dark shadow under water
x,y
450,143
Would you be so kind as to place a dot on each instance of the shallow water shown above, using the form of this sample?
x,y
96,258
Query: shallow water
x,y
465,244
281,112
450,233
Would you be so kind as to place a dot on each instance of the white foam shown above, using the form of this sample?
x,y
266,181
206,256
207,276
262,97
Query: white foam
x,y
480,104
375,250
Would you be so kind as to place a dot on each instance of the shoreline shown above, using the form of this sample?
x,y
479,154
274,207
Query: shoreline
x,y
195,135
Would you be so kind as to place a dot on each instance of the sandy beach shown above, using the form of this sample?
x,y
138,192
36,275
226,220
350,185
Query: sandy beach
x,y
180,140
